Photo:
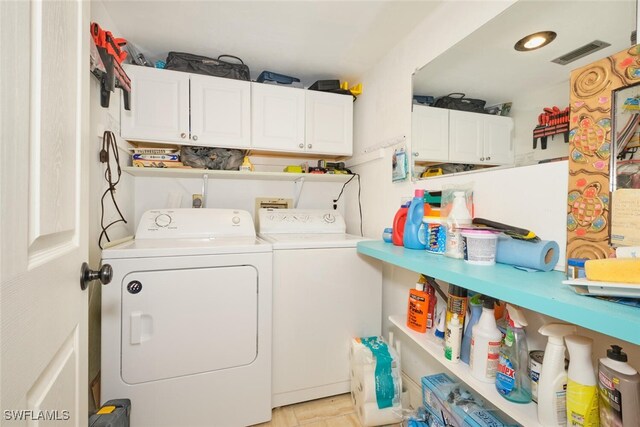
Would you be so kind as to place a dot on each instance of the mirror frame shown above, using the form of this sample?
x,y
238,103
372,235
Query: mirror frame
x,y
590,137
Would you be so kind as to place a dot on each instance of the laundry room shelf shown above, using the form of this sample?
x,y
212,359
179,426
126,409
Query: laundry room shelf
x,y
220,174
526,415
537,291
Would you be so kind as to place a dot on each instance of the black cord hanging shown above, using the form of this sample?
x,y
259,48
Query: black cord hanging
x,y
109,146
335,201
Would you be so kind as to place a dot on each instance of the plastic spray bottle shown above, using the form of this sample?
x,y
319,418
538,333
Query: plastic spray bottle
x,y
582,392
512,381
552,385
475,304
459,215
414,236
619,387
485,344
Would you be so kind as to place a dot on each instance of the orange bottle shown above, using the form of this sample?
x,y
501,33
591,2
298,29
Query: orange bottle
x,y
418,309
399,221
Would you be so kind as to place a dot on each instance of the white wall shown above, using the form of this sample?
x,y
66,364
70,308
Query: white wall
x,y
102,119
532,197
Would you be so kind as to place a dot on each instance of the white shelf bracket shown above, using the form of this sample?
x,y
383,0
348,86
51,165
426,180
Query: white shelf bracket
x,y
298,183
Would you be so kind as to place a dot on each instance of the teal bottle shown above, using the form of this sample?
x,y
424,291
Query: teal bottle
x,y
414,234
475,303
512,381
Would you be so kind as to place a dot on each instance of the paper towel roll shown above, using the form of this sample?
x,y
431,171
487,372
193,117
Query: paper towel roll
x,y
542,255
370,415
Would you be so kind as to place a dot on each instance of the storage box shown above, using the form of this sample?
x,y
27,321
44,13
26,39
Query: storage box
x,y
325,85
275,77
442,396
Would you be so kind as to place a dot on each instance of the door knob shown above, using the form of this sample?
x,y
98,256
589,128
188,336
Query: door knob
x,y
301,145
482,159
87,275
309,146
194,137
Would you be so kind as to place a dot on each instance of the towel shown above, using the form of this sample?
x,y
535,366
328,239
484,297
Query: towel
x,y
614,270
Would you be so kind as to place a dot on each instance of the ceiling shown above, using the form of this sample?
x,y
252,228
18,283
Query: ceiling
x,y
485,65
311,40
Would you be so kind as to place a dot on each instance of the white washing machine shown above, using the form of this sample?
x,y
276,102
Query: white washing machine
x,y
324,293
186,320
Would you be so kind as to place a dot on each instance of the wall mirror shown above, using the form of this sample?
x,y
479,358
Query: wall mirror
x,y
625,167
516,86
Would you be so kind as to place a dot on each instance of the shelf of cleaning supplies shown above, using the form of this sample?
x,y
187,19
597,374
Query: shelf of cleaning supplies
x,y
220,174
525,414
537,291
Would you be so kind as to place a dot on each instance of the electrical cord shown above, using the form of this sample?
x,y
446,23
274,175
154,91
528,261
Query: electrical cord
x,y
109,145
335,201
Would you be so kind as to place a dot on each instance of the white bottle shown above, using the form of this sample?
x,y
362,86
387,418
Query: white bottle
x,y
552,385
582,390
458,216
453,339
485,344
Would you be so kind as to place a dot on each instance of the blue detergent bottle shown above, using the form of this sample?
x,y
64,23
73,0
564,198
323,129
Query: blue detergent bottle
x,y
414,235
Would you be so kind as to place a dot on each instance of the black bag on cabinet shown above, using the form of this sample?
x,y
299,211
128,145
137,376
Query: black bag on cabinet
x,y
190,63
459,102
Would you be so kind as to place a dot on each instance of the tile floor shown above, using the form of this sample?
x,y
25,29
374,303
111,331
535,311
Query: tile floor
x,y
335,411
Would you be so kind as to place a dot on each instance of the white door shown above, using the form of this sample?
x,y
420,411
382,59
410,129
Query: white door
x,y
277,118
159,106
498,143
329,123
465,137
220,112
44,78
430,133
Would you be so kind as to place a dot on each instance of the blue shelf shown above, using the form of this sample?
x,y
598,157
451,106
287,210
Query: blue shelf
x,y
538,291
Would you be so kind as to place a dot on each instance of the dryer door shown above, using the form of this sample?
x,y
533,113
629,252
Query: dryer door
x,y
190,321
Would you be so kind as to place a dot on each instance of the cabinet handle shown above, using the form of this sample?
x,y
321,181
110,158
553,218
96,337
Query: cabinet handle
x,y
194,137
309,146
301,145
183,135
416,154
488,158
482,159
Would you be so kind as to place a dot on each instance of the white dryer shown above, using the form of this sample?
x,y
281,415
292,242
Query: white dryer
x,y
324,293
186,320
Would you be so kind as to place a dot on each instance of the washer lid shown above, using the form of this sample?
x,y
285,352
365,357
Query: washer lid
x,y
312,241
146,248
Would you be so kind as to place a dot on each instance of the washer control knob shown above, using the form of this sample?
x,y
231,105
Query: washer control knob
x,y
329,218
134,287
163,220
235,220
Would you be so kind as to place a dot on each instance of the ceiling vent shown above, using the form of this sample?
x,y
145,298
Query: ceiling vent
x,y
581,52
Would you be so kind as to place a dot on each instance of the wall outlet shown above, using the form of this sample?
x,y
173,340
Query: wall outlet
x,y
196,201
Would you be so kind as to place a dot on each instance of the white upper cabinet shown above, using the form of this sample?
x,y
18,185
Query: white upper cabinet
x,y
430,134
277,118
480,138
159,106
329,123
191,109
220,112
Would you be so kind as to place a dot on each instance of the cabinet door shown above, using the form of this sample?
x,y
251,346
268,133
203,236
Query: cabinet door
x,y
277,118
220,112
430,133
466,134
498,143
329,123
159,106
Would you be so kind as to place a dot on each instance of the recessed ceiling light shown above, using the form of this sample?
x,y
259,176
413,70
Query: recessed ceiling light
x,y
535,41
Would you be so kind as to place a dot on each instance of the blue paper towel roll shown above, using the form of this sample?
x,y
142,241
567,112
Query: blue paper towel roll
x,y
542,255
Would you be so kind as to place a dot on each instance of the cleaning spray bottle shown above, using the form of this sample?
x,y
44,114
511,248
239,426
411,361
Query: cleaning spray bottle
x,y
475,304
453,339
458,215
552,385
485,344
582,393
619,387
512,381
414,236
